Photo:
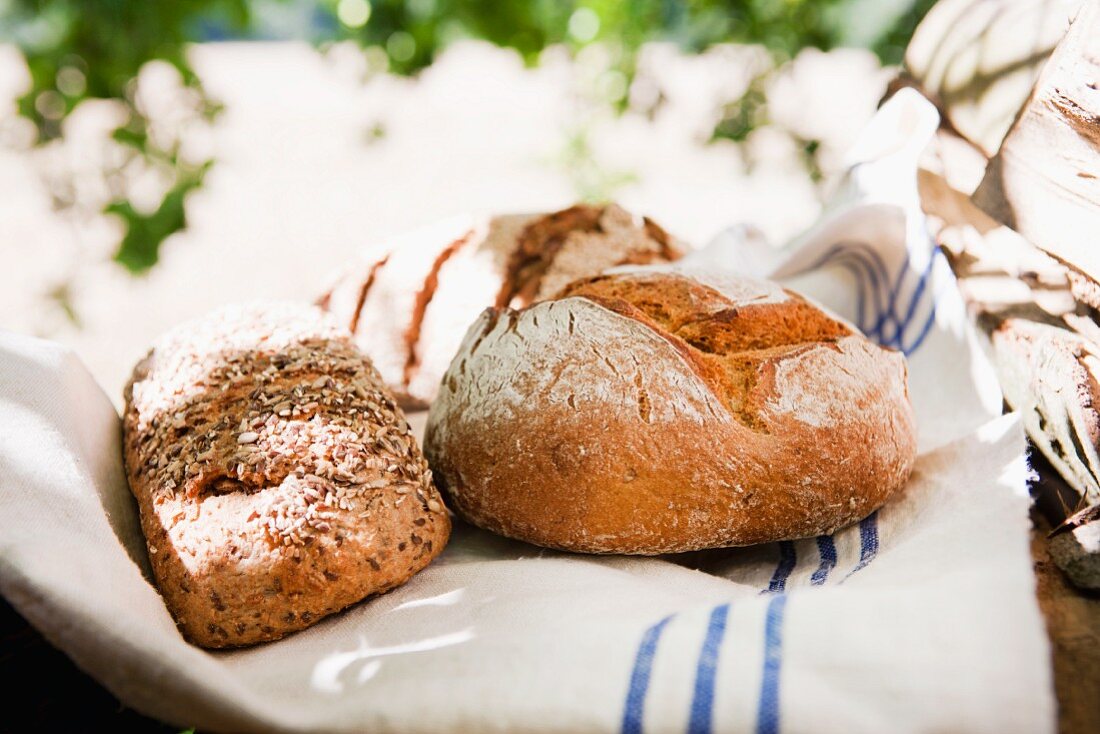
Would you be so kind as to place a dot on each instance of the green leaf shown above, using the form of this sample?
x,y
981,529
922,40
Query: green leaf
x,y
109,41
145,233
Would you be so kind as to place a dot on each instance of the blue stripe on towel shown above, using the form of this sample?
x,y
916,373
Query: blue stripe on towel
x,y
918,291
872,281
639,678
867,292
891,315
702,701
767,713
911,347
787,561
868,542
826,548
922,334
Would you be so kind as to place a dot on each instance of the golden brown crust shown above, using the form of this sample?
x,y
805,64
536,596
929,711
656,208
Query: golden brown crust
x,y
725,343
277,480
649,413
596,237
423,298
408,304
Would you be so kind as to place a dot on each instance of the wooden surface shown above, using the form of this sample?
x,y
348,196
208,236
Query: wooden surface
x,y
1044,182
1073,623
1043,337
978,60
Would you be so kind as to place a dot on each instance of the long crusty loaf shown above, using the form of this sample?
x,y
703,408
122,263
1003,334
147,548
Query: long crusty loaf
x,y
277,479
654,413
409,303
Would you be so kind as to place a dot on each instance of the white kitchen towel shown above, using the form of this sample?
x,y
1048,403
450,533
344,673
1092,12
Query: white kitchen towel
x,y
871,259
920,618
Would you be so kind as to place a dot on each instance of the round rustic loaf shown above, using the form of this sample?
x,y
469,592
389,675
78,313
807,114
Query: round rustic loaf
x,y
650,412
277,479
409,302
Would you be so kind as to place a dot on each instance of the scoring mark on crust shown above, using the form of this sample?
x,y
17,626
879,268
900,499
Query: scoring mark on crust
x,y
724,342
423,298
363,291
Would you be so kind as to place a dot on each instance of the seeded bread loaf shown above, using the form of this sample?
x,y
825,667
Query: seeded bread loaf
x,y
277,479
409,303
654,413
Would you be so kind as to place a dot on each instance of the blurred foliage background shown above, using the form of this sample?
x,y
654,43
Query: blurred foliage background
x,y
77,50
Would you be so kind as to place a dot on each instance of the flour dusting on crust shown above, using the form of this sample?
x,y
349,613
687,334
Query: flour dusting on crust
x,y
802,394
740,290
649,412
575,355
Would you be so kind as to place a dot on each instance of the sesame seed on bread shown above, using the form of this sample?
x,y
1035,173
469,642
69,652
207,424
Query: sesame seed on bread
x,y
277,479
